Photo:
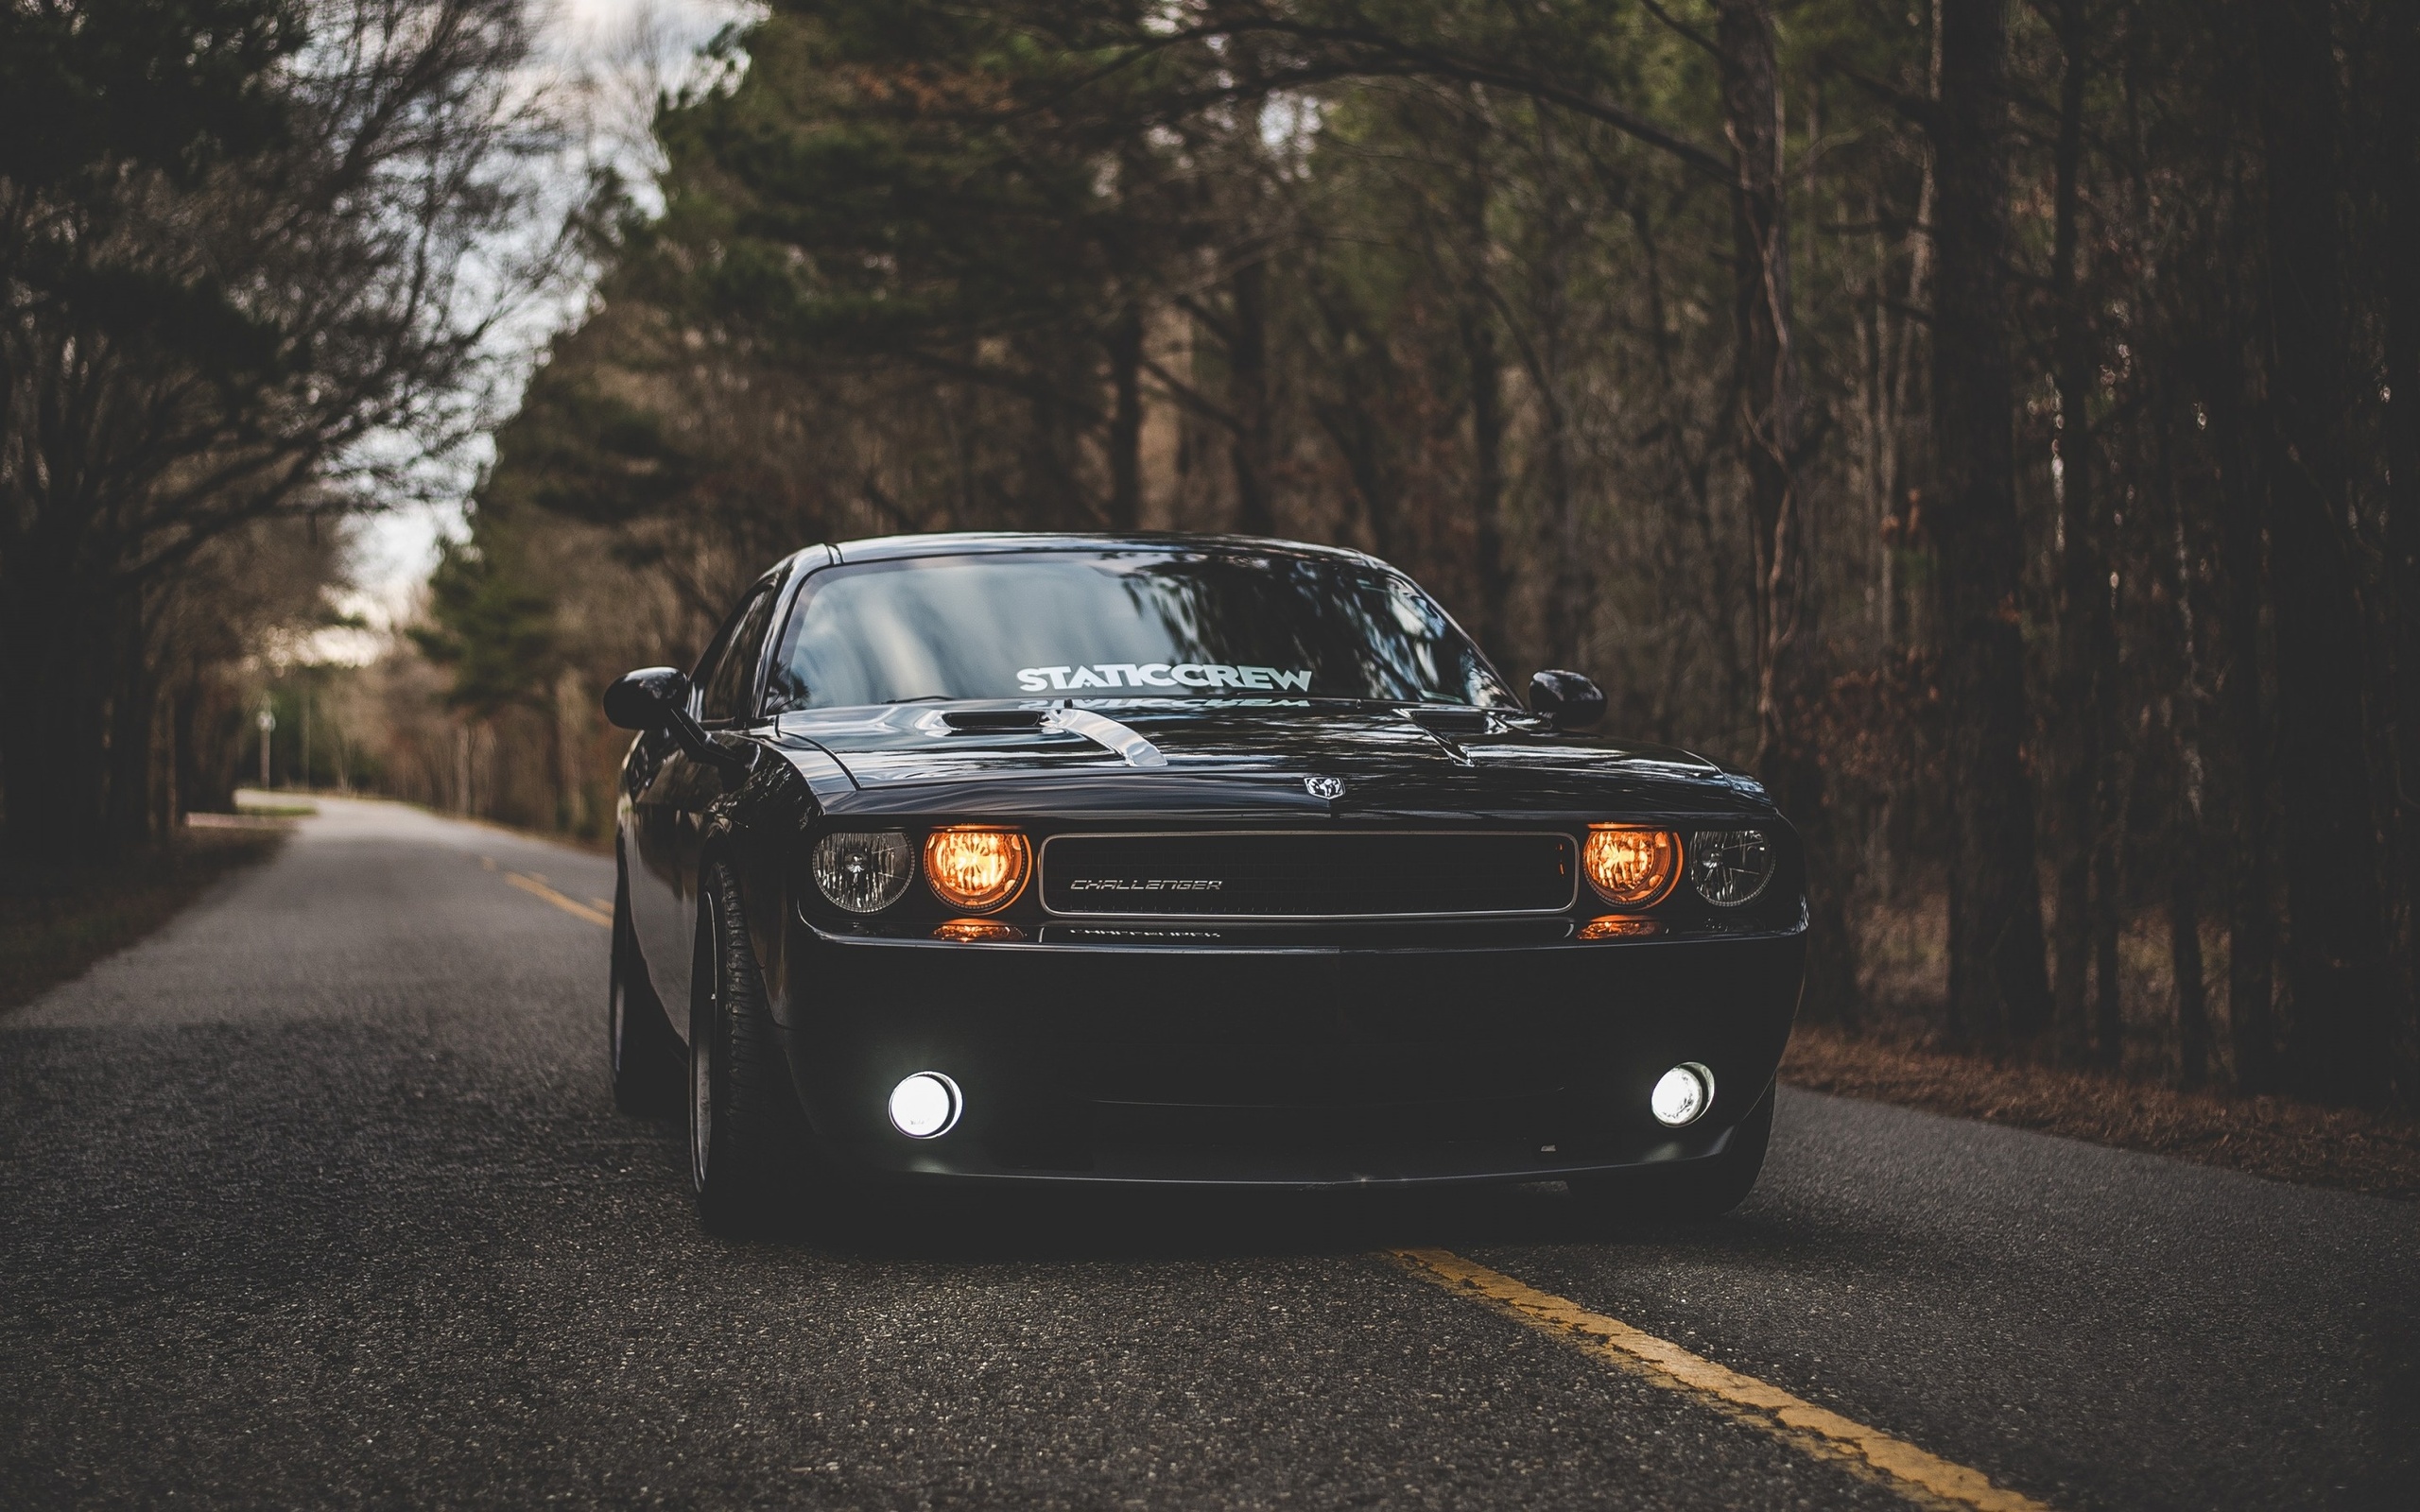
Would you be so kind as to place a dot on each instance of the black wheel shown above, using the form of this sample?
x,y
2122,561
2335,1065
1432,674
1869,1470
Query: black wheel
x,y
747,1148
645,1052
1698,1191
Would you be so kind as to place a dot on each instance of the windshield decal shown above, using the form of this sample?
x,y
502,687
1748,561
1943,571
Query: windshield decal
x,y
1160,674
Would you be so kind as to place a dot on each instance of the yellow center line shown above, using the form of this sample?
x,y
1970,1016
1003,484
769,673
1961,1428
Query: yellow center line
x,y
1924,1479
580,910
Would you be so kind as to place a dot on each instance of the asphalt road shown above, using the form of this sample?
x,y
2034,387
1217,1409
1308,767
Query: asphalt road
x,y
318,1199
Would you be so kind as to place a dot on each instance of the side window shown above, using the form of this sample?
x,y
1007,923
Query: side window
x,y
703,672
783,689
726,684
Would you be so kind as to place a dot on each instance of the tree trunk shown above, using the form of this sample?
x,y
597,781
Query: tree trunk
x,y
1126,419
1049,485
1546,353
2399,166
52,712
2086,643
1248,395
1768,397
134,701
1997,991
2252,922
1480,356
1765,378
1485,362
1566,613
2185,956
2109,862
142,752
2337,959
182,758
2177,645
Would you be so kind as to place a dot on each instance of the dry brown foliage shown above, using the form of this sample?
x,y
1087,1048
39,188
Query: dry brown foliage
x,y
2268,1137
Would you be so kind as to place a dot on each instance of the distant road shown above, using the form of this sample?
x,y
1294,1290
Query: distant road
x,y
318,1198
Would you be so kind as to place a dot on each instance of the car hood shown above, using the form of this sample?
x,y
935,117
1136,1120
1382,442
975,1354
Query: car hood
x,y
1387,758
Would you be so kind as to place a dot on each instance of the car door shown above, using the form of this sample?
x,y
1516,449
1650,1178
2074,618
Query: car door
x,y
670,809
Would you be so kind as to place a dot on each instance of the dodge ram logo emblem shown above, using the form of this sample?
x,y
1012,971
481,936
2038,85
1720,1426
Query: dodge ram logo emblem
x,y
1330,789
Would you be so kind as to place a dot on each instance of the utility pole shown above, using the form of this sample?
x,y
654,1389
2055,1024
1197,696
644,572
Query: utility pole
x,y
267,721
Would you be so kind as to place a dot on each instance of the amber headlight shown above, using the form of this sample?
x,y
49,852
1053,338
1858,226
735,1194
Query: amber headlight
x,y
1730,867
864,873
976,869
1632,867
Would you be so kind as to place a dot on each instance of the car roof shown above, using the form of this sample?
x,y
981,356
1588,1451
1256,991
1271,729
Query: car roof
x,y
967,543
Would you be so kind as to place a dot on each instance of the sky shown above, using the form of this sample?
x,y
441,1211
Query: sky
x,y
619,50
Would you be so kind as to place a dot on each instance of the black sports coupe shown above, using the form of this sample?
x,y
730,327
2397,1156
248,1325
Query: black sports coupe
x,y
1178,859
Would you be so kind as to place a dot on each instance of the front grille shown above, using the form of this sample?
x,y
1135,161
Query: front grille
x,y
1298,875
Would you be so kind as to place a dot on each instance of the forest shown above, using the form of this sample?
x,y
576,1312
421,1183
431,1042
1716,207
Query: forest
x,y
1994,425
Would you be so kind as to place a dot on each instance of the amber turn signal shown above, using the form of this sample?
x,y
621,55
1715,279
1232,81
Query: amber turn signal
x,y
1632,867
978,932
1614,926
976,870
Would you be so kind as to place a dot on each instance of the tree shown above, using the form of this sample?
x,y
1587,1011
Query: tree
x,y
2336,954
266,307
1909,411
2079,839
1997,991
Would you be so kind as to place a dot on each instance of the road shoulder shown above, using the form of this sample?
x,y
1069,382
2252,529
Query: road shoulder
x,y
54,929
2347,1149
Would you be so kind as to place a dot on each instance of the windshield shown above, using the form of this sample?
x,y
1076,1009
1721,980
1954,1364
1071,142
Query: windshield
x,y
1120,625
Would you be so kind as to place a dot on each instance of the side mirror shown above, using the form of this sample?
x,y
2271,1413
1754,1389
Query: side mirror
x,y
1571,699
647,698
658,698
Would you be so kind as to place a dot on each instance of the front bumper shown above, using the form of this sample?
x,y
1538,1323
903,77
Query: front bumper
x,y
1303,1065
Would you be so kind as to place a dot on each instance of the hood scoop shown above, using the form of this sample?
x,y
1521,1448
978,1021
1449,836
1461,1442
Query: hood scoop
x,y
1118,739
987,721
1451,721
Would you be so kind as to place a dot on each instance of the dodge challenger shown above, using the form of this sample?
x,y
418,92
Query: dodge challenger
x,y
1178,859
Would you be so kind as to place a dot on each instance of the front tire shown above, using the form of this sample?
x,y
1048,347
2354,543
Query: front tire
x,y
645,1054
1693,1192
747,1148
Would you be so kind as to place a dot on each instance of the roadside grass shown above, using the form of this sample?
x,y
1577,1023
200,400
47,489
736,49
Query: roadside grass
x,y
54,926
2285,1140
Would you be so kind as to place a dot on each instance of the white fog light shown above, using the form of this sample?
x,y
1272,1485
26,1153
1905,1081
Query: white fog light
x,y
1680,1094
925,1105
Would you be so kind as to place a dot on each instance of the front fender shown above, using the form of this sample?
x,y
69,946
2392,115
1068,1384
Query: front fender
x,y
756,830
